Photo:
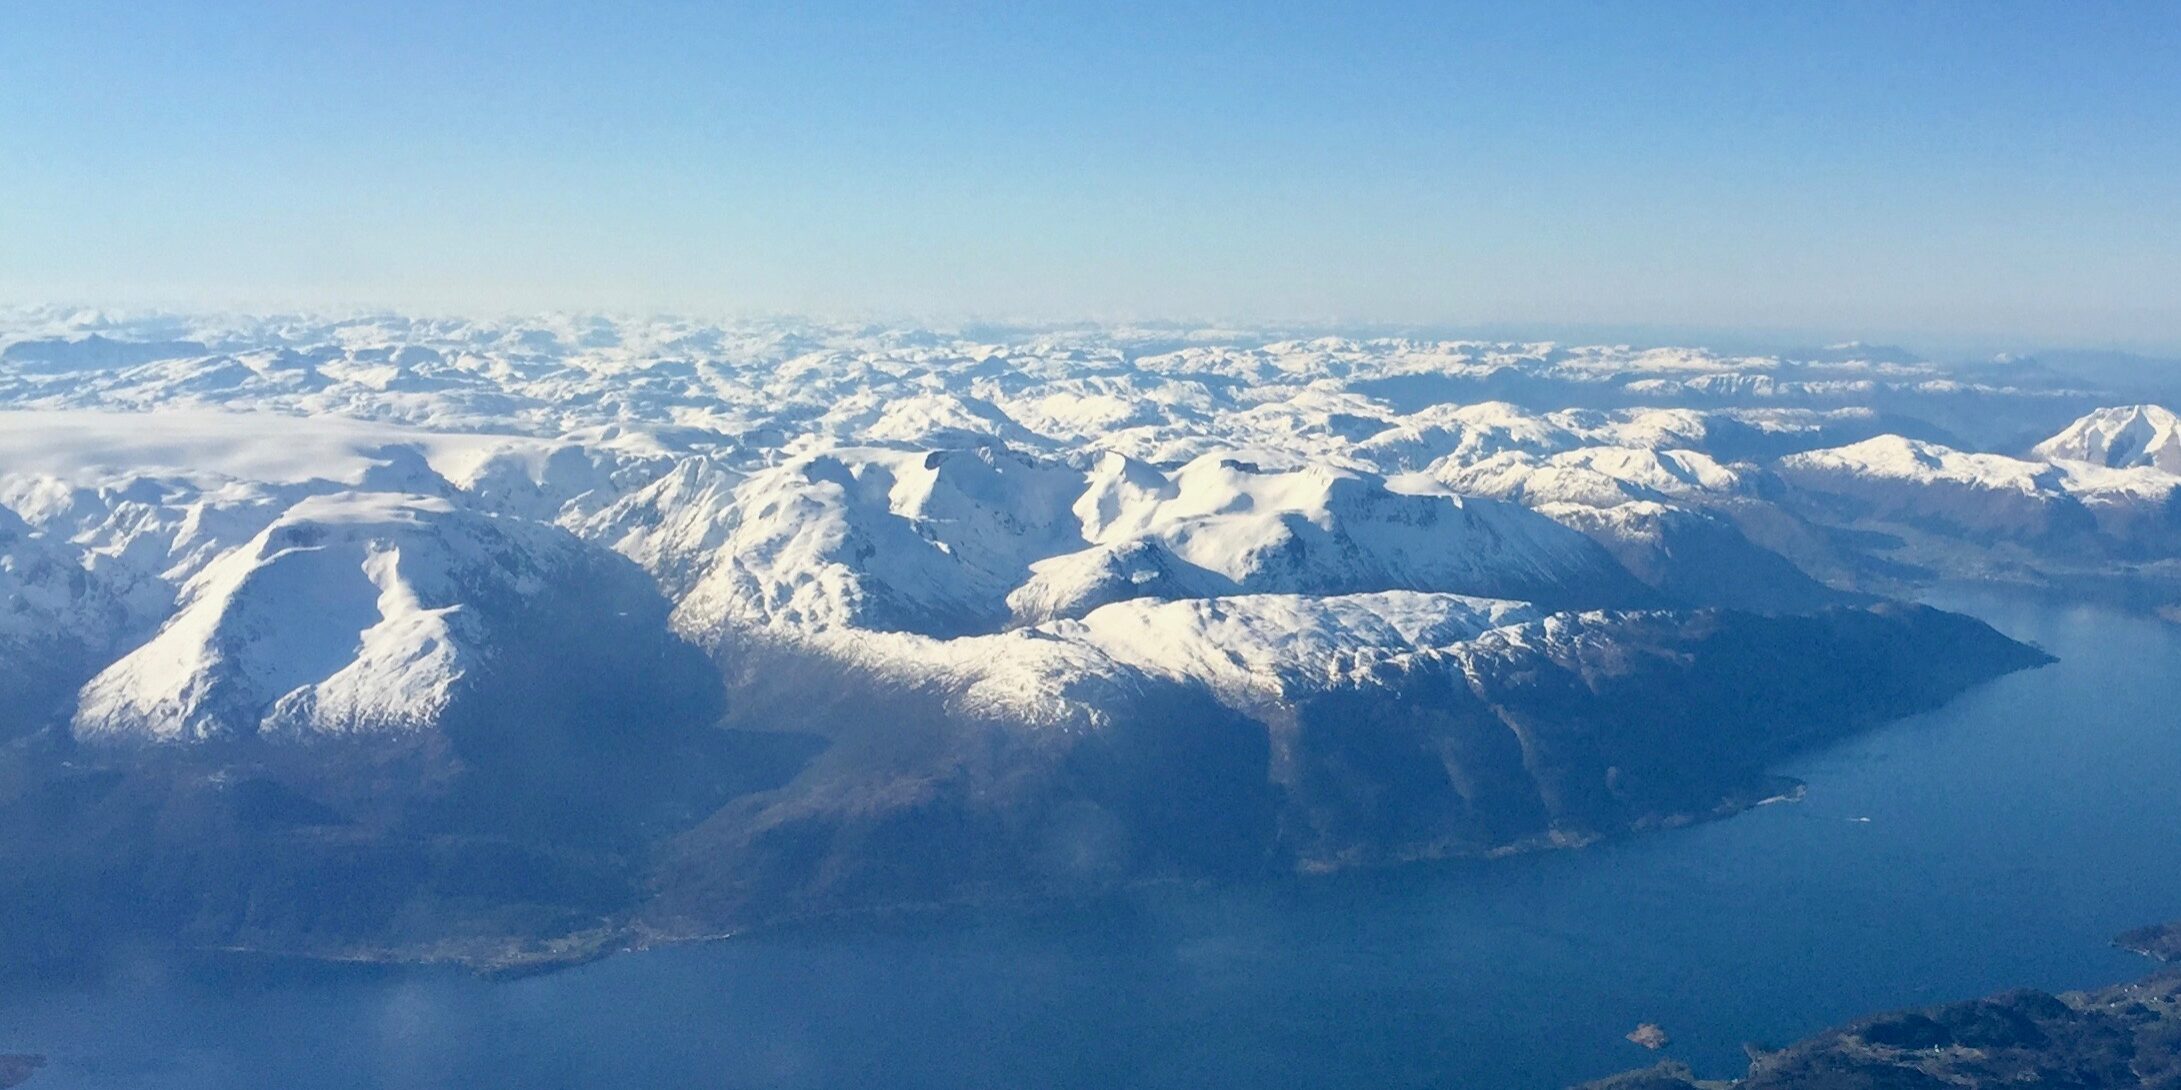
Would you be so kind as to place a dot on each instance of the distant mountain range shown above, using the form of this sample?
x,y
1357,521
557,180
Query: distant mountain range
x,y
510,642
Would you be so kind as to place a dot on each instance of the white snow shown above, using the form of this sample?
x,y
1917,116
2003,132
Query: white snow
x,y
342,615
2122,437
299,525
1893,458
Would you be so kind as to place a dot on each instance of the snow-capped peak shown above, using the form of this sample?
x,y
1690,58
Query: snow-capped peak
x,y
353,612
2120,437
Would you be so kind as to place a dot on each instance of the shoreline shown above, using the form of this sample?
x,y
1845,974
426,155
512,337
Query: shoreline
x,y
2018,1035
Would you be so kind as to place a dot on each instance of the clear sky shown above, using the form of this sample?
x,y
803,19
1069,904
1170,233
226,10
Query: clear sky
x,y
1907,171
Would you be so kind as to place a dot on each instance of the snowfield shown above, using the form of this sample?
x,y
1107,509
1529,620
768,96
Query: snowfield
x,y
798,482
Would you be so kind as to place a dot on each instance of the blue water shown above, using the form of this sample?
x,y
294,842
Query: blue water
x,y
1999,841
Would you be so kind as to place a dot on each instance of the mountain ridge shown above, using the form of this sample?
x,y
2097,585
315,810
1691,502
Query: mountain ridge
x,y
549,634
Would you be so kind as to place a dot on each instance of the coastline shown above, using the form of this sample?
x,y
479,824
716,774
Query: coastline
x,y
2121,1035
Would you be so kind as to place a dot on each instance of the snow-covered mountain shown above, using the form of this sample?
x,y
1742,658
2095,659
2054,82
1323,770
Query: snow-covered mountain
x,y
780,481
2119,437
372,612
829,615
1915,481
2061,507
957,541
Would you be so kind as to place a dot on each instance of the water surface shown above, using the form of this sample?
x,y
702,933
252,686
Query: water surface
x,y
1999,841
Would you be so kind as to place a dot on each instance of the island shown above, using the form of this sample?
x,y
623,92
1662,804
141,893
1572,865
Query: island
x,y
2128,1035
2160,941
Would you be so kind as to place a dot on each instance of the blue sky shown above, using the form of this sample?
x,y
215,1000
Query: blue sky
x,y
1961,173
